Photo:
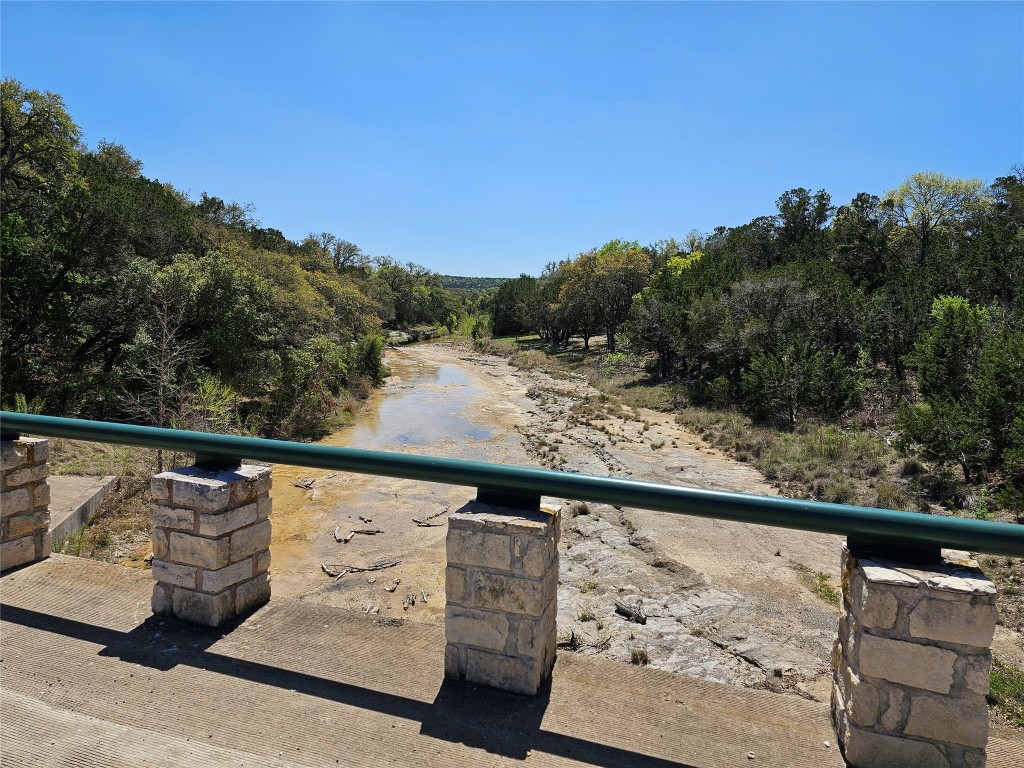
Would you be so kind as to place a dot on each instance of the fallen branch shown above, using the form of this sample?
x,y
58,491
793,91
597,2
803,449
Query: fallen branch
x,y
346,539
366,519
632,613
423,523
410,600
331,569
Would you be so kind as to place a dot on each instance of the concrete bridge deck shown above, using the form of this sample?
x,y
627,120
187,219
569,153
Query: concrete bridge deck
x,y
90,678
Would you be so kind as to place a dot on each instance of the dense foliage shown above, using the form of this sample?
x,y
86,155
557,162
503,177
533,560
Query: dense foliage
x,y
904,311
124,299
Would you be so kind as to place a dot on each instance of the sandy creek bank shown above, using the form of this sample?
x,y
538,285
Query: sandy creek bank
x,y
726,601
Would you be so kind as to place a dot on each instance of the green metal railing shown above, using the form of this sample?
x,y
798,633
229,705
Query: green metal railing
x,y
882,532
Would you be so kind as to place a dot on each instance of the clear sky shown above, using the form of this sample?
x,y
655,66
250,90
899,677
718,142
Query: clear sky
x,y
487,139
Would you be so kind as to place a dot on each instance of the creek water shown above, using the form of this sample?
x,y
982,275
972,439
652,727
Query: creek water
x,y
430,405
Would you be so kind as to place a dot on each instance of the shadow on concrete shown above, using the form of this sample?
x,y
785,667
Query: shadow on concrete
x,y
495,721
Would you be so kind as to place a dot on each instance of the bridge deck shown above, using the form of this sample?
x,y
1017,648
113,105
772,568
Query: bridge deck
x,y
91,678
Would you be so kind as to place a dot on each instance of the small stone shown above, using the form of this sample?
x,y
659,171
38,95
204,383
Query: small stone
x,y
828,745
750,755
371,580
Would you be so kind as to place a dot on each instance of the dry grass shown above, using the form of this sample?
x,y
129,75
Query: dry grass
x,y
119,530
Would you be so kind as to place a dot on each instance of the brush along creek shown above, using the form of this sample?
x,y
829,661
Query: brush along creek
x,y
724,601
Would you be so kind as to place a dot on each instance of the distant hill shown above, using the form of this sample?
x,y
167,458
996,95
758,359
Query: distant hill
x,y
471,284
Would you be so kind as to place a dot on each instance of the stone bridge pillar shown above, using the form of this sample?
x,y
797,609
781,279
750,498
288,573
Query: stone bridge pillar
x,y
24,501
211,542
502,588
912,663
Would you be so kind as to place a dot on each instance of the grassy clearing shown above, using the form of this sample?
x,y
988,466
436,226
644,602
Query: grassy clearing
x,y
1006,692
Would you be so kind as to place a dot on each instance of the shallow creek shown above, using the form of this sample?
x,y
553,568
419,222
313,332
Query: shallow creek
x,y
426,407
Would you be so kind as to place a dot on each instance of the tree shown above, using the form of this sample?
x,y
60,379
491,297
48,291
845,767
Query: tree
x,y
860,241
801,233
928,204
948,426
39,145
609,277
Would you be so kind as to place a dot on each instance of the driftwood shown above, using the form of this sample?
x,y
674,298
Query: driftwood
x,y
337,570
410,600
346,539
632,613
366,519
423,596
393,585
425,522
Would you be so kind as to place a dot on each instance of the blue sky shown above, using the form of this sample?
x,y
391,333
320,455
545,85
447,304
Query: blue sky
x,y
490,138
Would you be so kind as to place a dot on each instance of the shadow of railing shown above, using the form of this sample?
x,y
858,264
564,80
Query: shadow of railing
x,y
495,721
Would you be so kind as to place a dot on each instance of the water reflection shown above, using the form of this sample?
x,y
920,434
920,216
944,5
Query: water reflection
x,y
431,405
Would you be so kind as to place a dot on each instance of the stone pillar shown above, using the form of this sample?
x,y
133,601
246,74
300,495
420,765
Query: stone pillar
x,y
211,542
502,592
912,663
24,501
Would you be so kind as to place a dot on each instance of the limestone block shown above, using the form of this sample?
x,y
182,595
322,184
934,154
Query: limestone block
x,y
30,474
23,525
537,554
485,518
946,719
919,666
262,562
15,502
893,714
160,541
173,517
200,489
222,521
487,550
249,541
534,636
162,602
879,573
38,449
195,550
201,608
505,672
41,495
860,698
45,544
976,672
160,487
248,482
866,749
17,552
13,453
263,507
954,622
252,594
510,594
221,579
455,584
873,604
483,629
453,662
174,574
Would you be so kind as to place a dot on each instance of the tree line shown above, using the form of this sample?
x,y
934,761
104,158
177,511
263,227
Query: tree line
x,y
904,310
124,299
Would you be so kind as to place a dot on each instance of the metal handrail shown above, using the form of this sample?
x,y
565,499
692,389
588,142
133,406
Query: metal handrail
x,y
882,526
